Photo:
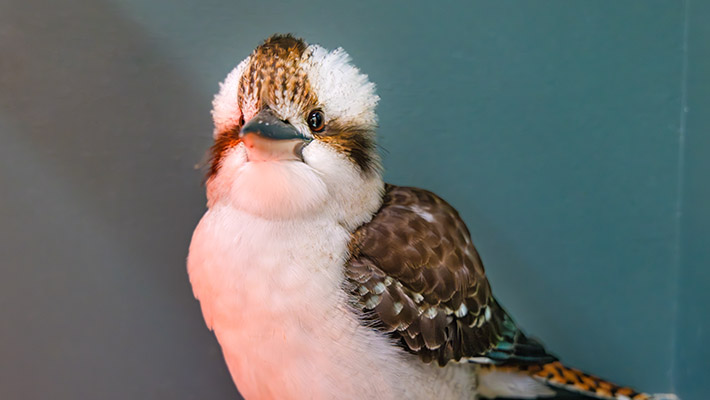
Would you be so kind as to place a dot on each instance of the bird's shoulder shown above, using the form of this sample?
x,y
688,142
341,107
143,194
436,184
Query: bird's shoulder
x,y
414,271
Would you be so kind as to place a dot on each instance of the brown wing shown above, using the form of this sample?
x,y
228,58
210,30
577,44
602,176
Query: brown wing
x,y
415,271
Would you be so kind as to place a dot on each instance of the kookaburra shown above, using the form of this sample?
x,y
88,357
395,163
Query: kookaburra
x,y
319,280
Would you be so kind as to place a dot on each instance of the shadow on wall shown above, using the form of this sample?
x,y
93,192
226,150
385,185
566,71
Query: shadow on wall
x,y
99,132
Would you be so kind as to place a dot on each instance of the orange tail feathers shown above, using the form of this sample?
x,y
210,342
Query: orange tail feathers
x,y
557,375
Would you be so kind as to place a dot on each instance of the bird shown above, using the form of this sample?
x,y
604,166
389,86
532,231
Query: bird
x,y
320,280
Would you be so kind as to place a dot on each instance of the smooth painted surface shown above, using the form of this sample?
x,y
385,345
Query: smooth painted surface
x,y
692,362
554,127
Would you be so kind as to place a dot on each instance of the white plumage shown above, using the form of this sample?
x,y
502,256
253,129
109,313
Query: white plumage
x,y
268,275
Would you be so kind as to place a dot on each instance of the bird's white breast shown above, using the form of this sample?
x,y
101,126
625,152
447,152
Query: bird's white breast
x,y
271,291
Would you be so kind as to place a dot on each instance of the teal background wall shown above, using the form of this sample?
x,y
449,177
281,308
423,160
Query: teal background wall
x,y
573,137
691,352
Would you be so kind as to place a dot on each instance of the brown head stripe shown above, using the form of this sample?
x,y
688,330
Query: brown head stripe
x,y
273,66
274,73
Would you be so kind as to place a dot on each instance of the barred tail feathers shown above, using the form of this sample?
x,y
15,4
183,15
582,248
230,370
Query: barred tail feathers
x,y
560,376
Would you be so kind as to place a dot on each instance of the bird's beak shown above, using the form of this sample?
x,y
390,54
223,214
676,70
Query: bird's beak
x,y
268,138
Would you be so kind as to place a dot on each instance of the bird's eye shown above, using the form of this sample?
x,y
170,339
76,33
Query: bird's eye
x,y
316,120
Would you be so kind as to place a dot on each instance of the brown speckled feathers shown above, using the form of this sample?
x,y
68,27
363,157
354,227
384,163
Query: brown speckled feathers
x,y
415,274
415,268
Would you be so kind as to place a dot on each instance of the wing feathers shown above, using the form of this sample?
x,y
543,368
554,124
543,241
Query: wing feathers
x,y
415,272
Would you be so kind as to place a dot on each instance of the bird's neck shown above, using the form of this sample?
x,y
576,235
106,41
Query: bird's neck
x,y
293,191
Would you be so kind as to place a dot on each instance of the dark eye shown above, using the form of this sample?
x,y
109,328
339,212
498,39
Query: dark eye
x,y
316,120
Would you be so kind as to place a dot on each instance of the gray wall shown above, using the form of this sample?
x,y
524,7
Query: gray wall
x,y
570,135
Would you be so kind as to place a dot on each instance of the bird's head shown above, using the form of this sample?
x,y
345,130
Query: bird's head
x,y
295,134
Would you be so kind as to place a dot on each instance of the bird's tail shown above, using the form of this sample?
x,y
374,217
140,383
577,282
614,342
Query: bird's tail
x,y
559,376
